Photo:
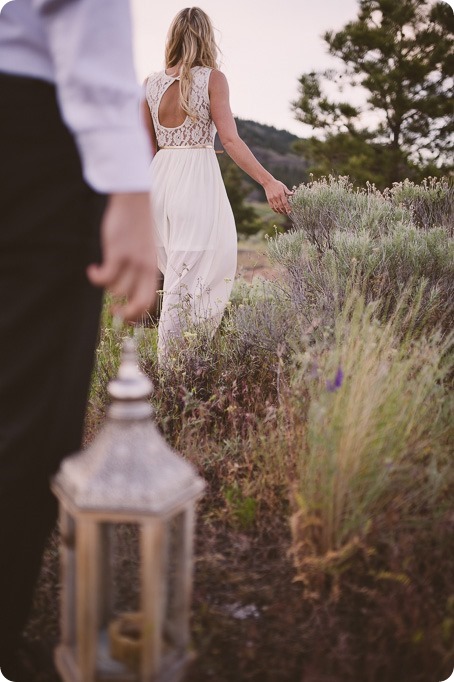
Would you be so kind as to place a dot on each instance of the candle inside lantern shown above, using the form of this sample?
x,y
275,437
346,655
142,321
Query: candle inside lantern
x,y
126,639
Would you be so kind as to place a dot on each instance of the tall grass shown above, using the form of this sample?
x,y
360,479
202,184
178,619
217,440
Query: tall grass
x,y
367,432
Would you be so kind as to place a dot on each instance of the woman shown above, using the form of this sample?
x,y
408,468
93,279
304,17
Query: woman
x,y
194,224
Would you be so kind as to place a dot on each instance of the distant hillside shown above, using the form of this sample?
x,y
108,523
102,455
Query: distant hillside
x,y
273,148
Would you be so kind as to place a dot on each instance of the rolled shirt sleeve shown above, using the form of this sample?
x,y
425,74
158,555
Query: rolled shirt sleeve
x,y
90,43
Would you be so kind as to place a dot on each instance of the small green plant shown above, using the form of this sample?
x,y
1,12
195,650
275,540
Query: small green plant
x,y
242,508
107,360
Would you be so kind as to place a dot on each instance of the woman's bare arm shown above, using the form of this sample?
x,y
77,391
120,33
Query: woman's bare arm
x,y
276,192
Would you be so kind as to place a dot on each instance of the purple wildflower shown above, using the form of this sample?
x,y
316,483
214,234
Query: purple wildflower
x,y
332,386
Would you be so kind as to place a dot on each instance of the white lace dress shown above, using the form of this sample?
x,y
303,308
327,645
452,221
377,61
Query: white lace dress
x,y
193,221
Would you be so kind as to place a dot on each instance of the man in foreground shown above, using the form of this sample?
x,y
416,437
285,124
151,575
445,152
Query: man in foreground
x,y
74,218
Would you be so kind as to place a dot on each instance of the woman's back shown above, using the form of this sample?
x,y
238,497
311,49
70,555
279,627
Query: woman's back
x,y
173,127
170,112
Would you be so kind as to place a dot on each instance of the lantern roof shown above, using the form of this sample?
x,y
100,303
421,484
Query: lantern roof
x,y
128,467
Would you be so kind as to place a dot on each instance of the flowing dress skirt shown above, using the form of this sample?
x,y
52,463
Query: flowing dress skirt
x,y
195,237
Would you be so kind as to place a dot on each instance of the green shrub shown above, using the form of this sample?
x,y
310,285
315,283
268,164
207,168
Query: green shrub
x,y
402,259
244,293
323,207
107,360
431,203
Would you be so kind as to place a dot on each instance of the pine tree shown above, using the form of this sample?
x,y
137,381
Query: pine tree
x,y
401,53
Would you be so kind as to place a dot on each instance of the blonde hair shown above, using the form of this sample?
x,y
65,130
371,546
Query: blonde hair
x,y
190,42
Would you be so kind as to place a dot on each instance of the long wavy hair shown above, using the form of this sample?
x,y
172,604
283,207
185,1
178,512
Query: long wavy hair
x,y
190,42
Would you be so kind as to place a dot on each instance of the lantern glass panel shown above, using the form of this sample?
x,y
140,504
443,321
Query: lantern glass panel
x,y
125,566
119,623
179,580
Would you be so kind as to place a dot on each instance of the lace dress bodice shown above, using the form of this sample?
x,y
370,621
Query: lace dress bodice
x,y
191,132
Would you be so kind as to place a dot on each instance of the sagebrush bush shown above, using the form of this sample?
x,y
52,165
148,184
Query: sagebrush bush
x,y
322,207
431,203
244,292
265,326
383,263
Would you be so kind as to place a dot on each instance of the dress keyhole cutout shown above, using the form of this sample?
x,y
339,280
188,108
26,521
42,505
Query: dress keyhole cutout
x,y
170,113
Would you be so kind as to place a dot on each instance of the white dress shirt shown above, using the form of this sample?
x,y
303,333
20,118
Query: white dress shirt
x,y
84,47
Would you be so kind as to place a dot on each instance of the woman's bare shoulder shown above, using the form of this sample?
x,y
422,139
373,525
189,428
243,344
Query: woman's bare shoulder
x,y
217,74
218,81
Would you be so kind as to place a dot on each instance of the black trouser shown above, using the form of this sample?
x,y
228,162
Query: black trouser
x,y
49,317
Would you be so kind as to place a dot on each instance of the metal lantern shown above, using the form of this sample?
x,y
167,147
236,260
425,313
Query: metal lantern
x,y
128,478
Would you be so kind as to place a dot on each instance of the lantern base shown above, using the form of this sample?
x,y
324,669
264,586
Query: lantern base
x,y
110,670
107,670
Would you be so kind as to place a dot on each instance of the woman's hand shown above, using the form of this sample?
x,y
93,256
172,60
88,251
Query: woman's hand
x,y
277,195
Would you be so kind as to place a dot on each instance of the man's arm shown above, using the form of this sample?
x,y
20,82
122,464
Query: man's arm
x,y
90,42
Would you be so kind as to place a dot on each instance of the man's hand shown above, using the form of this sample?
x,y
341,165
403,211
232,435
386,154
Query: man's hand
x,y
129,257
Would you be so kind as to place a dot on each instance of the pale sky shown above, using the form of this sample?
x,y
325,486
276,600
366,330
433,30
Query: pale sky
x,y
266,45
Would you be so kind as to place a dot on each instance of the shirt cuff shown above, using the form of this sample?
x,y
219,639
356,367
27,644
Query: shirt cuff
x,y
115,160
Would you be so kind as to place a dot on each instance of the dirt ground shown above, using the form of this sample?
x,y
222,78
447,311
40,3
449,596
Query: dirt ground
x,y
247,614
253,261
